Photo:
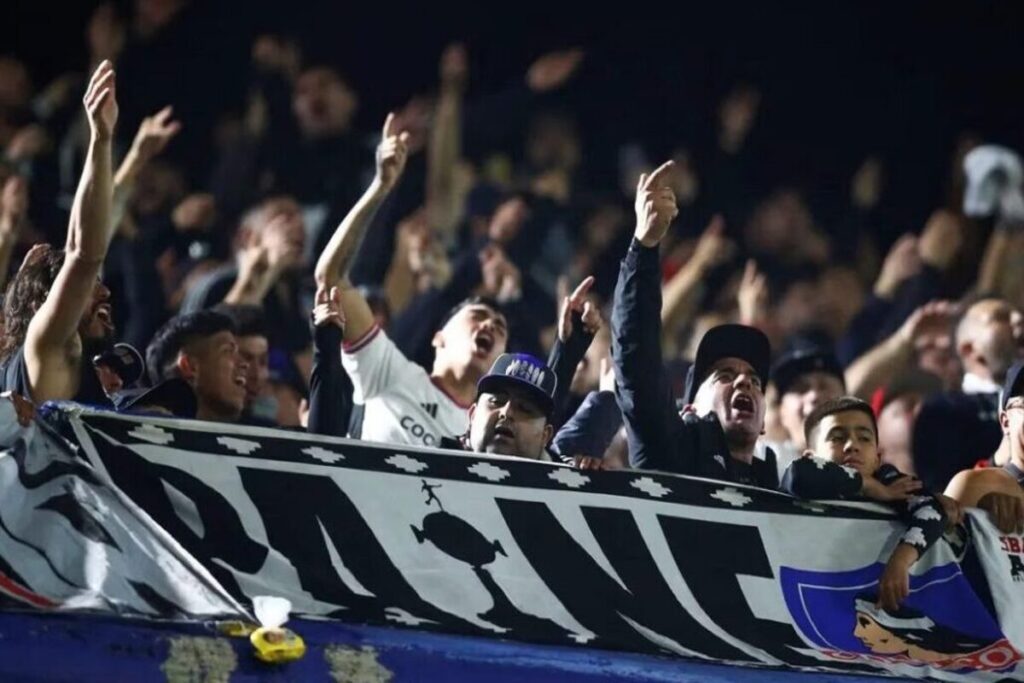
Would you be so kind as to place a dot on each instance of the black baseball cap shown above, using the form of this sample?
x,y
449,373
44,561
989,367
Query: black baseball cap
x,y
174,394
728,341
524,371
1014,384
124,360
803,361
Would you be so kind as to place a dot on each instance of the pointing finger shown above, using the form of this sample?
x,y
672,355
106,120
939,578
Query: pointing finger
x,y
660,174
581,291
389,122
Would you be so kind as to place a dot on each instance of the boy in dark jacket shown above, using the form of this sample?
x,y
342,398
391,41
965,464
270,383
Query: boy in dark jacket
x,y
844,461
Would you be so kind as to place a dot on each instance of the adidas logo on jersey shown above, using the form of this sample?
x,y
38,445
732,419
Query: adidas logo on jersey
x,y
431,409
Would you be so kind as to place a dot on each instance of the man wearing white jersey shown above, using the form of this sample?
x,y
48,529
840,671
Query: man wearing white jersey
x,y
403,403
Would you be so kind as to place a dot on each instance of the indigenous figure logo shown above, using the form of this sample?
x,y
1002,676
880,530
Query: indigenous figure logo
x,y
942,623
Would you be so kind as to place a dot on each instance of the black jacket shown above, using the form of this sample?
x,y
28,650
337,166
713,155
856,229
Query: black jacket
x,y
659,438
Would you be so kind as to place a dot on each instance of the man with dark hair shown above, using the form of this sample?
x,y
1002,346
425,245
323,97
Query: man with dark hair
x,y
804,378
56,311
1000,490
718,432
254,350
402,402
201,349
513,409
843,460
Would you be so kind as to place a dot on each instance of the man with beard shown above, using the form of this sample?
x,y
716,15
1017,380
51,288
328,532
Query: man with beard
x,y
718,431
402,402
512,412
56,311
956,429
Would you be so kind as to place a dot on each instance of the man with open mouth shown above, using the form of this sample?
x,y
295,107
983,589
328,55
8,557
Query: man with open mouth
x,y
57,314
512,411
717,432
402,402
201,348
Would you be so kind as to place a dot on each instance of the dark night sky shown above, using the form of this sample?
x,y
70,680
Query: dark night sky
x,y
900,79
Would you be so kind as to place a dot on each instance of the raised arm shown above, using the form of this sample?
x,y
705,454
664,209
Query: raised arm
x,y
579,320
893,354
13,209
89,231
152,137
330,389
644,395
443,198
679,293
333,266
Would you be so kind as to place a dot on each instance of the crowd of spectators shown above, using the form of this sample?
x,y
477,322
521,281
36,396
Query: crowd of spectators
x,y
431,285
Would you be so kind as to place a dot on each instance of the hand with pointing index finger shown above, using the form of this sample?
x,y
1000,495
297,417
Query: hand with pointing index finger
x,y
578,303
391,154
655,205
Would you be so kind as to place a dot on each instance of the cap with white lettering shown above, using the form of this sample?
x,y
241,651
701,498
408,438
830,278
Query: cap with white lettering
x,y
524,371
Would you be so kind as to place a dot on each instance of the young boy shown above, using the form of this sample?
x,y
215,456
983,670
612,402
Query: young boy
x,y
843,460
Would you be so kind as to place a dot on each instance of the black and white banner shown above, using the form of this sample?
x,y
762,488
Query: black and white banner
x,y
536,552
70,541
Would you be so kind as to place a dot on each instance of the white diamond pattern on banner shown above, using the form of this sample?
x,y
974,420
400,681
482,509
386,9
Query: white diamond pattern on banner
x,y
521,550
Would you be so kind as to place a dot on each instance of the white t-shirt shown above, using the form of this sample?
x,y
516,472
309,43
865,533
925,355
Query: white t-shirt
x,y
785,453
403,404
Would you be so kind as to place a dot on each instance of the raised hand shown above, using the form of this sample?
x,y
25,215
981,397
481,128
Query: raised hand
x,y
275,54
154,133
30,141
577,302
101,101
934,318
197,211
327,310
13,202
553,69
901,263
282,252
454,66
391,153
655,205
941,240
752,295
713,247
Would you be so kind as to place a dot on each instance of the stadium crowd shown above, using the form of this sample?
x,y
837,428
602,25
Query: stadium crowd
x,y
396,287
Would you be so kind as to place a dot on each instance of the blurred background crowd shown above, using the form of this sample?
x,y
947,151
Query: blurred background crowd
x,y
819,167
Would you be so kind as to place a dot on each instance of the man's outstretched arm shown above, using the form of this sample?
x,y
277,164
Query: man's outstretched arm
x,y
333,266
89,232
643,393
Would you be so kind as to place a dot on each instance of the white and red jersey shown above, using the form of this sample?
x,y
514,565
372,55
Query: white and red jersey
x,y
403,403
